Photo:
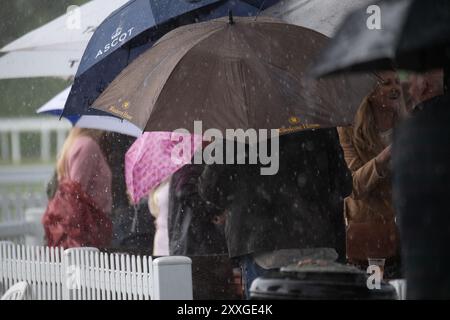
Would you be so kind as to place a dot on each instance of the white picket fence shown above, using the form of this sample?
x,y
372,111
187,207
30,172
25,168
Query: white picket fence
x,y
88,274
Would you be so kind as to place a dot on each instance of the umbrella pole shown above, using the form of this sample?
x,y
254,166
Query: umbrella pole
x,y
230,17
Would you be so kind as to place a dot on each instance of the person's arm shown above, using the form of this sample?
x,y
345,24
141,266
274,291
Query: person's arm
x,y
186,192
52,186
365,176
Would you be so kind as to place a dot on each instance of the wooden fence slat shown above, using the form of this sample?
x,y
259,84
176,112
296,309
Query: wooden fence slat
x,y
8,266
119,287
92,279
144,278
102,275
133,278
48,276
112,277
128,277
79,293
139,277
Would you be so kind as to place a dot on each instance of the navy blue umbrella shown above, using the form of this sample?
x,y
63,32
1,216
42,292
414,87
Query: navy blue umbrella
x,y
131,30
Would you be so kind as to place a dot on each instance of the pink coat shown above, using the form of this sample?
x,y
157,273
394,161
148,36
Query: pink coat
x,y
87,165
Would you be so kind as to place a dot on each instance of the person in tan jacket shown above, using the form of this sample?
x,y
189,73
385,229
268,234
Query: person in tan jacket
x,y
367,151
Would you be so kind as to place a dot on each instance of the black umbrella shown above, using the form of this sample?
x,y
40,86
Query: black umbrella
x,y
414,35
132,29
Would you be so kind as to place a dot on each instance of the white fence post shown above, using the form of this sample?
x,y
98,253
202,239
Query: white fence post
x,y
15,144
172,278
45,144
5,146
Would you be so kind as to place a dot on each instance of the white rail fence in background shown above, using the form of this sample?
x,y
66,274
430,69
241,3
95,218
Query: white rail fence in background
x,y
27,231
88,274
20,217
13,205
11,130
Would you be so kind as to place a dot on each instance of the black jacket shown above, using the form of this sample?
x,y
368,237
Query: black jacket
x,y
133,226
299,207
421,190
191,231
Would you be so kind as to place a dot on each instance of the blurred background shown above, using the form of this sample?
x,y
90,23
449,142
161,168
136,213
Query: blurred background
x,y
23,179
21,97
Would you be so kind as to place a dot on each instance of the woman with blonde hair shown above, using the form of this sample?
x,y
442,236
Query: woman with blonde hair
x,y
369,213
82,160
78,214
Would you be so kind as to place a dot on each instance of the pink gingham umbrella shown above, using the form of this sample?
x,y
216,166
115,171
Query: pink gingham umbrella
x,y
154,157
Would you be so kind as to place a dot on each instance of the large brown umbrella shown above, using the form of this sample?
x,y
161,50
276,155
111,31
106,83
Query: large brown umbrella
x,y
244,73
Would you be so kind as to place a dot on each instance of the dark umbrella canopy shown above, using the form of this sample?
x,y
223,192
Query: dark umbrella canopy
x,y
414,35
132,29
246,74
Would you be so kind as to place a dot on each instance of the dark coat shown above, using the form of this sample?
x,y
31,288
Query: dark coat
x,y
133,226
299,207
191,230
421,187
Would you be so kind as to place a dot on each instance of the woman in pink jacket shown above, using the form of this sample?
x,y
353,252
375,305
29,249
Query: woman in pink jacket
x,y
82,160
79,213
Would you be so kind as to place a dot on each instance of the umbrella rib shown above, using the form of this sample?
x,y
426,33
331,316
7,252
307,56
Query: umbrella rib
x,y
260,9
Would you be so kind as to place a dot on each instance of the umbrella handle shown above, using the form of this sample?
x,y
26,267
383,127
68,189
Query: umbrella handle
x,y
230,17
135,220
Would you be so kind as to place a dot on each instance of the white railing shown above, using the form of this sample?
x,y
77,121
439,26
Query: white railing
x,y
13,206
11,129
20,217
27,231
88,274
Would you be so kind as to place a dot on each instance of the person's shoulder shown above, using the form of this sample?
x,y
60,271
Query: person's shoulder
x,y
436,107
85,145
434,113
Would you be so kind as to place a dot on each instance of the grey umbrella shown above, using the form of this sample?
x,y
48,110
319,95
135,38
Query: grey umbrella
x,y
413,35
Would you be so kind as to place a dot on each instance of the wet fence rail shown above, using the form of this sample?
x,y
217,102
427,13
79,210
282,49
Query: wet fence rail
x,y
11,131
13,205
88,274
20,217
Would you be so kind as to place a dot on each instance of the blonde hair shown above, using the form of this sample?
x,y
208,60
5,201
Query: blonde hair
x,y
365,135
73,135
